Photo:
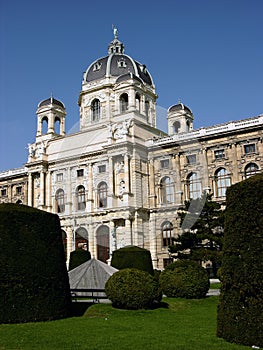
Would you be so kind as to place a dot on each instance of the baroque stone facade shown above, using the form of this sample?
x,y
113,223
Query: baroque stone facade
x,y
119,180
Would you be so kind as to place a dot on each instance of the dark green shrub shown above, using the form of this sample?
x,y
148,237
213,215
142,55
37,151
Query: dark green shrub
x,y
34,282
132,289
240,311
132,257
184,279
78,257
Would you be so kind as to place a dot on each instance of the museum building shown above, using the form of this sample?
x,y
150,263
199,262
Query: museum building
x,y
119,180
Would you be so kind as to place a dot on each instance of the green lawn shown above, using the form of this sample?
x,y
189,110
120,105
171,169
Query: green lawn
x,y
178,325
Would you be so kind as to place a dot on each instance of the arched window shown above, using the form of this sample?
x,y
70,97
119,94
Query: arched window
x,y
80,194
123,102
250,170
81,239
167,233
95,110
60,201
222,182
176,127
166,190
103,243
57,125
44,125
147,108
193,186
102,195
138,102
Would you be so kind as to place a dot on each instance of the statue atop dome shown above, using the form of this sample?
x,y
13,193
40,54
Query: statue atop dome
x,y
115,32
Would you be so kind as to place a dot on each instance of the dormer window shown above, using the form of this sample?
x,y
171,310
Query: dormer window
x,y
96,66
121,63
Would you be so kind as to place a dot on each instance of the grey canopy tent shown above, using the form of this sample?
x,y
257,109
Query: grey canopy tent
x,y
93,274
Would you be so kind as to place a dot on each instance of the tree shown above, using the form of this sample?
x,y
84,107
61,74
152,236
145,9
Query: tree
x,y
201,222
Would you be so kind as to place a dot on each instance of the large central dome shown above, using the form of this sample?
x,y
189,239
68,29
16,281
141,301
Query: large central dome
x,y
116,65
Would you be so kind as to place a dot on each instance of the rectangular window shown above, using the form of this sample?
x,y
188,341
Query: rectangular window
x,y
164,163
3,192
191,159
19,190
102,168
250,149
59,177
220,154
80,172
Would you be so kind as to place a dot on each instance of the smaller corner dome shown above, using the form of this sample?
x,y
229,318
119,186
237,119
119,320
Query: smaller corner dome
x,y
179,107
51,101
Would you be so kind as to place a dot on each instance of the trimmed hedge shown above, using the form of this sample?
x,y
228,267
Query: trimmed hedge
x,y
184,279
132,289
240,311
78,257
34,282
132,257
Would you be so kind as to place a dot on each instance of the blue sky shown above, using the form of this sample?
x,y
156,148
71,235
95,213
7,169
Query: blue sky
x,y
208,54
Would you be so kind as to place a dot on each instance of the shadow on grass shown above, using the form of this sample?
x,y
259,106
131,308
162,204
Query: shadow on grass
x,y
79,308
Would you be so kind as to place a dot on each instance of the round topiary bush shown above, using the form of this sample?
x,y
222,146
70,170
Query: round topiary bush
x,y
132,257
184,279
132,289
78,257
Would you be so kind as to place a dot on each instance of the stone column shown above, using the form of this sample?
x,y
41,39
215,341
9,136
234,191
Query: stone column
x,y
234,163
112,189
48,191
128,232
113,238
70,240
30,190
152,194
90,199
153,239
42,190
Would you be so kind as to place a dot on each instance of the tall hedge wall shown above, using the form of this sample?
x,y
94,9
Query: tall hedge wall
x,y
132,257
240,312
34,282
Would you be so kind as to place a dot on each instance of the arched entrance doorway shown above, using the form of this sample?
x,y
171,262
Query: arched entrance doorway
x,y
81,238
103,243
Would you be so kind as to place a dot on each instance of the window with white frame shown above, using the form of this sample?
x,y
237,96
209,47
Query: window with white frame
x,y
81,202
167,234
164,163
219,154
102,195
251,169
222,182
95,110
123,102
59,177
60,201
102,168
191,159
194,186
250,149
166,190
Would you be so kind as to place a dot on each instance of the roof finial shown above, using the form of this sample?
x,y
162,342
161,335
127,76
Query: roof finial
x,y
51,97
115,31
